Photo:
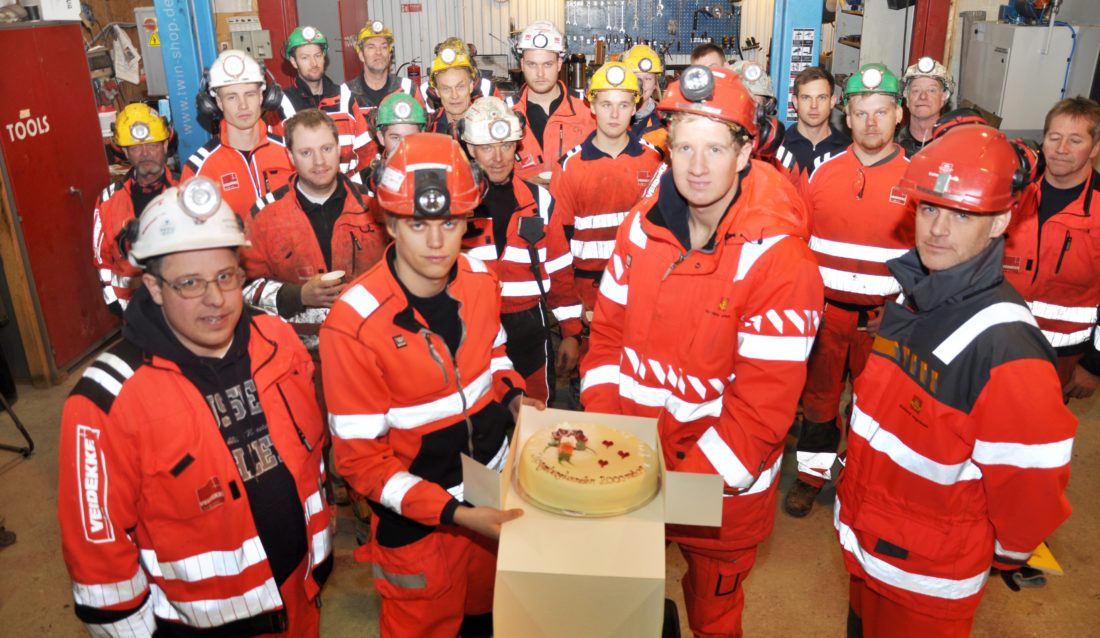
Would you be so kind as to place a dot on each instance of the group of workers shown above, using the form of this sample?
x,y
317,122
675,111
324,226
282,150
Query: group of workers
x,y
412,264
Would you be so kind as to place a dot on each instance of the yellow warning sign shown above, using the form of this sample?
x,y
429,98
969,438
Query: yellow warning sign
x,y
154,39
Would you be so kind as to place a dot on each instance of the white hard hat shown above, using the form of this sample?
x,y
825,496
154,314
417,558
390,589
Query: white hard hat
x,y
927,67
192,216
235,67
489,120
755,79
542,34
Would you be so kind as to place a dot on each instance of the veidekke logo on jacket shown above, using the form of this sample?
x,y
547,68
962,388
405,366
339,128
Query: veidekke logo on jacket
x,y
93,486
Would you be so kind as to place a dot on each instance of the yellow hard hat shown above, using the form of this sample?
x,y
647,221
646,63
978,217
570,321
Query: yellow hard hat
x,y
373,29
614,76
139,123
450,57
644,59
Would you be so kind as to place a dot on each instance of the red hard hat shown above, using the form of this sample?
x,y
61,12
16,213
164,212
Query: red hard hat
x,y
428,176
973,168
714,93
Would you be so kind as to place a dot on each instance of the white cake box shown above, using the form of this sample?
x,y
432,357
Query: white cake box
x,y
578,577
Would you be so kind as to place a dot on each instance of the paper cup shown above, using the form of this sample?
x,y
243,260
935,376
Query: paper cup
x,y
546,175
335,275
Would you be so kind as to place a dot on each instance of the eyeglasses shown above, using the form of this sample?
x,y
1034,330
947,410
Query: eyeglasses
x,y
193,287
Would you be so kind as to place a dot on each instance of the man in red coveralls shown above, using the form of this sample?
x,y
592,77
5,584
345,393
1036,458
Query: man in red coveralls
x,y
415,376
556,120
245,158
511,232
706,314
959,446
597,182
858,222
1052,255
190,456
309,231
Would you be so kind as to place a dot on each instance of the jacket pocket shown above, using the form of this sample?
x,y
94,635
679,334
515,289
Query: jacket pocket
x,y
417,571
904,534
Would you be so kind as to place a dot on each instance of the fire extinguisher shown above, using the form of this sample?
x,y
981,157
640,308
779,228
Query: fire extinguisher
x,y
413,72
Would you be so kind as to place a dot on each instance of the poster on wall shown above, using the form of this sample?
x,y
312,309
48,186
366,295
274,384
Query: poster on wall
x,y
802,57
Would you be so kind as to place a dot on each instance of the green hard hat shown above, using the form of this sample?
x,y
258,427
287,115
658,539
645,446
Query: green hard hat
x,y
304,35
873,78
400,108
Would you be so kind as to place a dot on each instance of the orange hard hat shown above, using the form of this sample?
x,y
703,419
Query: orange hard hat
x,y
429,176
714,93
974,168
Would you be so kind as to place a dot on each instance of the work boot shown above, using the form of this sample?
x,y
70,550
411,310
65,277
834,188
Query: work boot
x,y
800,499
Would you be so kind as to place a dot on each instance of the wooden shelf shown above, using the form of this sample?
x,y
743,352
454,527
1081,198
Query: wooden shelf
x,y
853,12
849,42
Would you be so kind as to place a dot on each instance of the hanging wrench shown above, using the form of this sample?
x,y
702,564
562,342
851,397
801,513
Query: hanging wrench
x,y
660,8
634,5
622,16
607,7
587,16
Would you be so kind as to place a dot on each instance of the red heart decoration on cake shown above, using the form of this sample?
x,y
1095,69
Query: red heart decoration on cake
x,y
623,454
608,443
602,462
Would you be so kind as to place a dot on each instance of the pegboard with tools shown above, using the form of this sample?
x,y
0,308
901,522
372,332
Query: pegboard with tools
x,y
669,26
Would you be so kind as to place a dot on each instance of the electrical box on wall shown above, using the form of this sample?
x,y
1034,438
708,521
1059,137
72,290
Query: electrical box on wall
x,y
256,43
152,58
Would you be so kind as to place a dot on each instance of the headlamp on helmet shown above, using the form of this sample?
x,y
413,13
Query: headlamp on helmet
x,y
200,198
926,65
871,78
431,198
139,131
234,66
697,83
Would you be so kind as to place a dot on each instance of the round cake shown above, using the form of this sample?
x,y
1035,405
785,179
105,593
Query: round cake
x,y
591,470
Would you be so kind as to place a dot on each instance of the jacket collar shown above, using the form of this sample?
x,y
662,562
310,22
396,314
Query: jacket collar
x,y
265,134
407,318
566,100
926,291
589,150
671,211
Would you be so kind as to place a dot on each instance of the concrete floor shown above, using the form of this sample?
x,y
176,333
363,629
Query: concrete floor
x,y
798,587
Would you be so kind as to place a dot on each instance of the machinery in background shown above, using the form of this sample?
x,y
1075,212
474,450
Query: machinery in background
x,y
1018,72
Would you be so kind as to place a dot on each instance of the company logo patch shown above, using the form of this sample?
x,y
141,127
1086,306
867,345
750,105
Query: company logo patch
x,y
399,341
210,494
92,486
230,181
916,404
897,196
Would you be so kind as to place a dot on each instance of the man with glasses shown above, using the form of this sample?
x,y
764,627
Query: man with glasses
x,y
858,221
189,493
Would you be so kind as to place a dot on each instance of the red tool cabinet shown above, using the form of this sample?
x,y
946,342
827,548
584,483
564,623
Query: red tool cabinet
x,y
52,168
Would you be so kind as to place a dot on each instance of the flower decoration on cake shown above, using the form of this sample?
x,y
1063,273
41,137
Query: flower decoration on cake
x,y
568,441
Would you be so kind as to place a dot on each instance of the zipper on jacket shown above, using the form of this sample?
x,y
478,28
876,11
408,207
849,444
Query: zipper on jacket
x,y
355,248
1065,249
458,384
435,354
679,260
286,404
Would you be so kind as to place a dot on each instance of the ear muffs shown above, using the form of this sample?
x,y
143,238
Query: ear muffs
x,y
207,106
769,132
1028,170
273,94
205,103
126,237
480,178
